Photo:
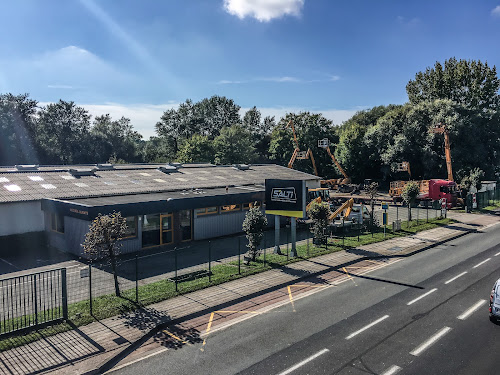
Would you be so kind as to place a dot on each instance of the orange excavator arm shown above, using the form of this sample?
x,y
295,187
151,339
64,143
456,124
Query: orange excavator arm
x,y
440,128
347,179
347,206
310,154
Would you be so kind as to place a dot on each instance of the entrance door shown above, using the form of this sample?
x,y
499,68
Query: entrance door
x,y
186,227
167,229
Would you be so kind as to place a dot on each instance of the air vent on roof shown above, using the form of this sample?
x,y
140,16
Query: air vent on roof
x,y
82,172
25,167
105,166
169,168
241,167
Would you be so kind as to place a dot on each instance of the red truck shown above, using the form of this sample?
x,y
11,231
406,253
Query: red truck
x,y
433,190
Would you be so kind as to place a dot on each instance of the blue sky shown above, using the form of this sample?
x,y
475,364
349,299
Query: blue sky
x,y
138,58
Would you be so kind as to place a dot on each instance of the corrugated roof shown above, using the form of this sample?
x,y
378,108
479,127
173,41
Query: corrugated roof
x,y
58,182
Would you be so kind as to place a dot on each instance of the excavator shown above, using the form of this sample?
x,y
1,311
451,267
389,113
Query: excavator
x,y
297,154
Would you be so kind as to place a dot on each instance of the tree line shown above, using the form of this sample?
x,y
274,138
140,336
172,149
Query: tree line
x,y
463,94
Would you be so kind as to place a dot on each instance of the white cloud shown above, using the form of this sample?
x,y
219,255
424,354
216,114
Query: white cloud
x,y
408,22
263,10
496,11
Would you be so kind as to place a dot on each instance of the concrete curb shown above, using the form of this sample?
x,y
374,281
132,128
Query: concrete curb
x,y
110,363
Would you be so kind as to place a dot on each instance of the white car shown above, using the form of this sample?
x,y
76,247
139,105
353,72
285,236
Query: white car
x,y
495,301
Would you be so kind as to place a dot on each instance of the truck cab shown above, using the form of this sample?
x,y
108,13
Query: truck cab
x,y
439,189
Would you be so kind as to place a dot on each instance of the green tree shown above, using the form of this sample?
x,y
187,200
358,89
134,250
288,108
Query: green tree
x,y
254,225
319,213
409,195
63,134
101,241
473,179
196,149
372,192
115,139
473,84
234,145
17,130
159,150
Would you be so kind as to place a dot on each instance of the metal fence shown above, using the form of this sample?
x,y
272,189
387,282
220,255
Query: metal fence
x,y
32,301
155,274
484,199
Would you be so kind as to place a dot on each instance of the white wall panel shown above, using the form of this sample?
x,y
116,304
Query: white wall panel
x,y
21,217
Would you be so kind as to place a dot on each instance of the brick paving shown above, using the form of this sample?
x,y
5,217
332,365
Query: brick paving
x,y
87,348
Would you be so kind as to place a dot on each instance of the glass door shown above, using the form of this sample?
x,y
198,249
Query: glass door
x,y
167,229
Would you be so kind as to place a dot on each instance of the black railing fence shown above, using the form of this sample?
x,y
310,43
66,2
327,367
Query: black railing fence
x,y
32,301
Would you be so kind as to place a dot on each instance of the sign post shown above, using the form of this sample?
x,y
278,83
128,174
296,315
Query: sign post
x,y
385,206
443,207
286,198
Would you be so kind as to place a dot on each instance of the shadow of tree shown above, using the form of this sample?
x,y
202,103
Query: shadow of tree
x,y
173,336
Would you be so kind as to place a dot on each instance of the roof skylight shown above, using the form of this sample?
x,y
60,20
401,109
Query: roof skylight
x,y
35,178
48,186
81,184
4,179
12,187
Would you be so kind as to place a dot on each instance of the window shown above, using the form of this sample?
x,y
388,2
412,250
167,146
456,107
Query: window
x,y
247,206
131,230
230,208
206,211
57,223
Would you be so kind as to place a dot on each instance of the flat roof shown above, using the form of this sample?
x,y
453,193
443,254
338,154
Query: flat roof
x,y
84,181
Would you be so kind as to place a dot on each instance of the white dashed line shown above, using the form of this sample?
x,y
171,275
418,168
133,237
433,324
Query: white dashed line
x,y
456,277
392,370
468,312
366,327
484,261
422,296
300,364
497,254
431,341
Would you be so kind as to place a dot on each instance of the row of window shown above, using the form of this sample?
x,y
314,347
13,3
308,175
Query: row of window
x,y
57,220
227,208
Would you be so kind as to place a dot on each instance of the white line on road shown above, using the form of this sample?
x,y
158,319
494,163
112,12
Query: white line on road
x,y
300,364
497,254
456,277
366,327
431,341
422,296
468,312
392,370
484,261
135,361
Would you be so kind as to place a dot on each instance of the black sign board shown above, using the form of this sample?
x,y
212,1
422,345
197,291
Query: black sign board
x,y
286,197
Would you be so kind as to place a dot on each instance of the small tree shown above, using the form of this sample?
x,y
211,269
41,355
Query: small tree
x,y
319,213
101,241
473,179
409,195
254,224
372,191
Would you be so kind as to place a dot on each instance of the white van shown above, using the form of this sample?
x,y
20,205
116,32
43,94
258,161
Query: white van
x,y
495,301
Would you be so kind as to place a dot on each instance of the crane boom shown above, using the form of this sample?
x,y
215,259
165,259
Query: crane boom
x,y
338,165
297,154
440,128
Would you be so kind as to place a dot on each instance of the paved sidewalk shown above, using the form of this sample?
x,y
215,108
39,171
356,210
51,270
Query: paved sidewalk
x,y
85,349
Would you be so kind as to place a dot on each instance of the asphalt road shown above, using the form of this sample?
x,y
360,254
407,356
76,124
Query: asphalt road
x,y
426,314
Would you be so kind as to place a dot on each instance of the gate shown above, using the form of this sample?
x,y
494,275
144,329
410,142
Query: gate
x,y
32,301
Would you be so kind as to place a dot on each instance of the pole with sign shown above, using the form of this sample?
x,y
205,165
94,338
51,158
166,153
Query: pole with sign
x,y
286,198
385,206
443,207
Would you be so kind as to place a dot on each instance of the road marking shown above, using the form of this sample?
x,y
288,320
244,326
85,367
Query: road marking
x,y
456,277
392,370
422,296
307,360
366,327
136,360
175,337
497,254
349,276
208,329
468,312
484,261
291,298
431,341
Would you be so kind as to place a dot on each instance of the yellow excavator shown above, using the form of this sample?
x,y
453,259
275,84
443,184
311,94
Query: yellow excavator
x,y
297,154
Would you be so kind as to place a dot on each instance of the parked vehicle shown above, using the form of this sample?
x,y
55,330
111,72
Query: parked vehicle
x,y
432,190
495,302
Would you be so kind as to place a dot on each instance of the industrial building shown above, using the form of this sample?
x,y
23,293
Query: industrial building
x,y
164,204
